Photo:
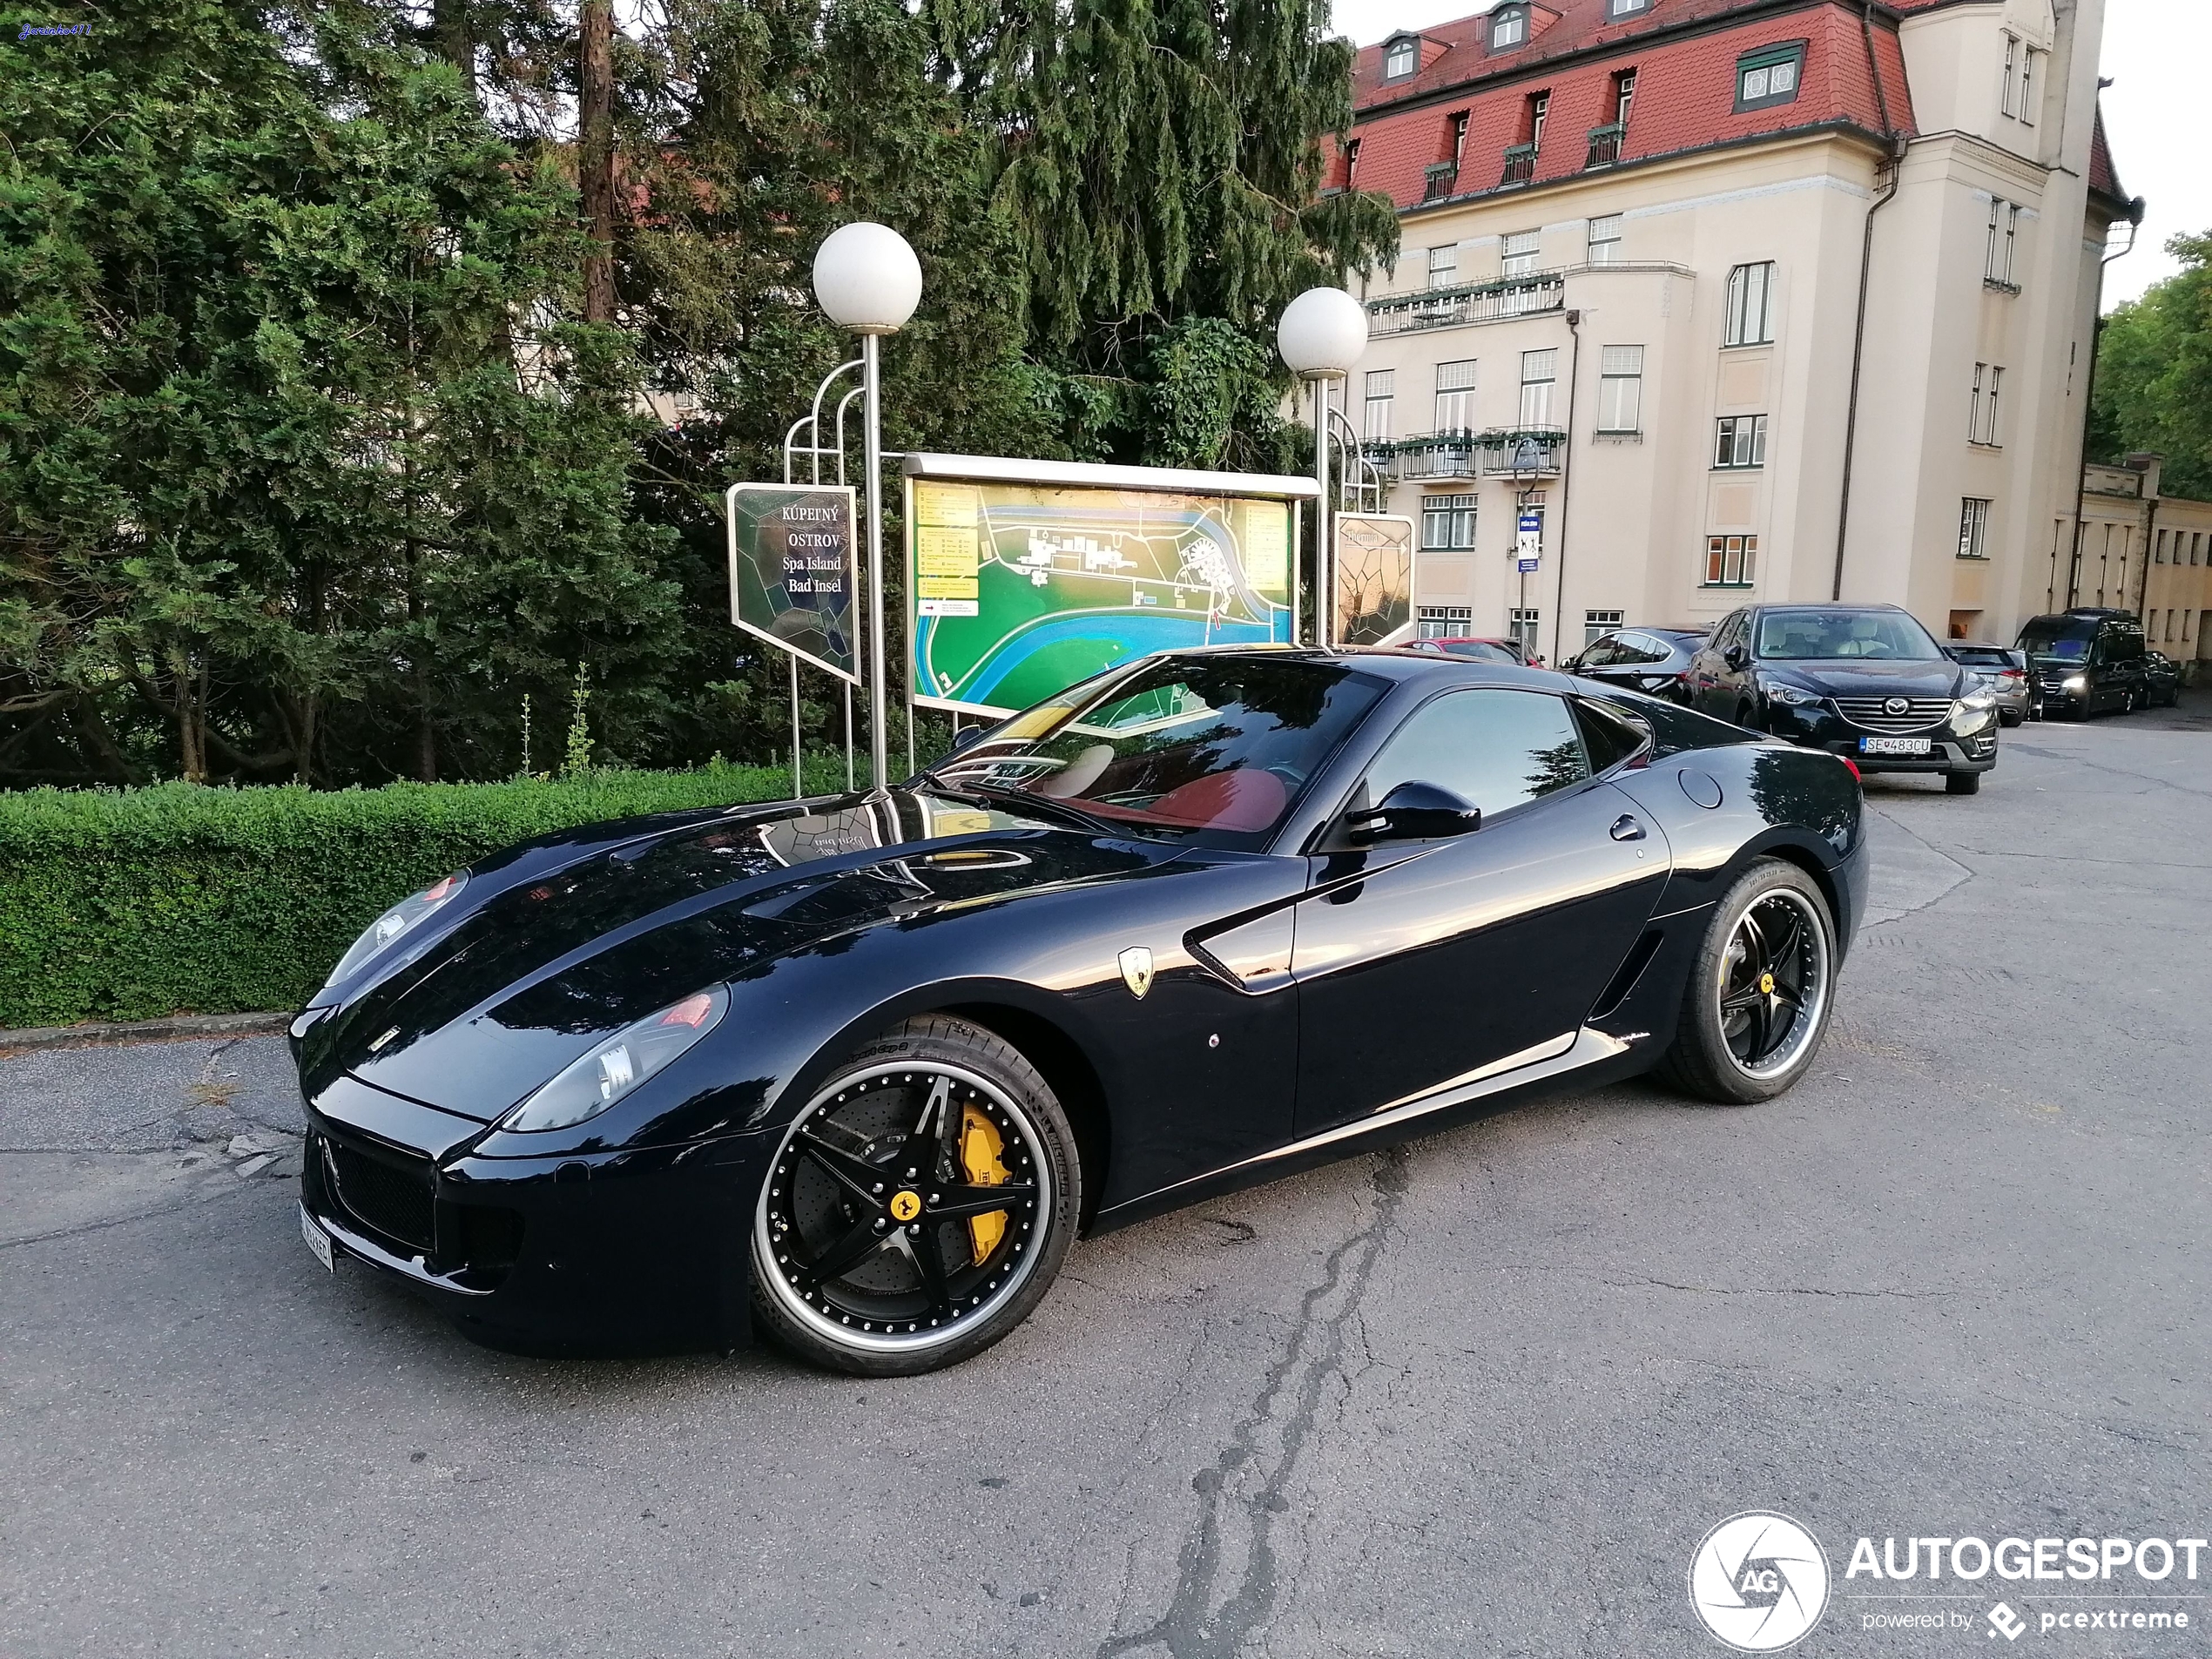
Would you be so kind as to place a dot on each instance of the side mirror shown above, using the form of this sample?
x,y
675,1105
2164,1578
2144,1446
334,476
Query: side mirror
x,y
1736,657
1416,812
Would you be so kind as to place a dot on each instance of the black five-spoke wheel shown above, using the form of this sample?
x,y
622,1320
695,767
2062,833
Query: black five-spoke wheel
x,y
1757,1003
918,1207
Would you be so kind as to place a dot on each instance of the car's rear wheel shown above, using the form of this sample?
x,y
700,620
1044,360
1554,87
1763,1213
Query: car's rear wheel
x,y
919,1207
1962,782
1757,1003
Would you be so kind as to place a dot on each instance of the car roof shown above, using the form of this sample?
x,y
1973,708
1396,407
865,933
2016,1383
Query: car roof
x,y
1396,663
1841,609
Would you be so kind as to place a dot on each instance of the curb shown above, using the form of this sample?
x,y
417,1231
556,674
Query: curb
x,y
178,1028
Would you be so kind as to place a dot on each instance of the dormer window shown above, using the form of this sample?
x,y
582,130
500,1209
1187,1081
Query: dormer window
x,y
1401,57
1616,9
1769,77
1508,28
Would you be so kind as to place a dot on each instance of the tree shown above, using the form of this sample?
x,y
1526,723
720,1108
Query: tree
x,y
2155,375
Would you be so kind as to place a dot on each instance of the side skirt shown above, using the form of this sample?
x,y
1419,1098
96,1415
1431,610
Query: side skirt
x,y
1591,1058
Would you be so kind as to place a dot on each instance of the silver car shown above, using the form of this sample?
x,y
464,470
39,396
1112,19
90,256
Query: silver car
x,y
2004,672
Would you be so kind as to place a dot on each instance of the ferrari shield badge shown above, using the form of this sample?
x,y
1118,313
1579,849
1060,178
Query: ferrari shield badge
x,y
1136,970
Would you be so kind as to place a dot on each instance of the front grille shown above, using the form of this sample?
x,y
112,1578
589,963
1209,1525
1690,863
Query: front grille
x,y
394,1202
1872,714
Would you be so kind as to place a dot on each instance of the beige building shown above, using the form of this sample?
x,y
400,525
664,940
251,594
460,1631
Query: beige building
x,y
2148,553
1746,298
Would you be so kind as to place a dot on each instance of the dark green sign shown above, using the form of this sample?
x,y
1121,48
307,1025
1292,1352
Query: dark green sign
x,y
792,576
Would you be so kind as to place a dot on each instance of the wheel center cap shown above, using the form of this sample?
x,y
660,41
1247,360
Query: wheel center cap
x,y
1766,988
906,1205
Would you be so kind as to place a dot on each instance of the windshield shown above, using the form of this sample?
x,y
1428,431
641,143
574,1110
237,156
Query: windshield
x,y
1813,635
2069,647
1991,659
1215,749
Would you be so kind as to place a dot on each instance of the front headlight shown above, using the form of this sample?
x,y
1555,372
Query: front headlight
x,y
2076,683
1792,697
1971,712
396,921
620,1063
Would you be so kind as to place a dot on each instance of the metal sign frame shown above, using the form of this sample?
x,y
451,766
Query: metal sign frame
x,y
920,467
851,676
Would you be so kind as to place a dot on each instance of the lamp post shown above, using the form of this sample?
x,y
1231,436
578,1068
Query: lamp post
x,y
1322,334
867,278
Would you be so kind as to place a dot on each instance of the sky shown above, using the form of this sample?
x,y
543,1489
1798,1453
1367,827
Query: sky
x,y
2154,52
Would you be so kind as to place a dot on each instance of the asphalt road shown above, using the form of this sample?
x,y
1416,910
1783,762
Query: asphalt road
x,y
1482,1395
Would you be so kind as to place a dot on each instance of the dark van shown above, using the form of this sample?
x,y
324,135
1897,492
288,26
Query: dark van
x,y
2085,661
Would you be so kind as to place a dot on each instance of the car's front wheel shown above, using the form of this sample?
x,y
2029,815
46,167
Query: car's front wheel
x,y
1757,1003
919,1207
1962,782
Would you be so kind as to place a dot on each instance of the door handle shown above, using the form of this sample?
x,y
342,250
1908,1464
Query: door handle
x,y
1625,828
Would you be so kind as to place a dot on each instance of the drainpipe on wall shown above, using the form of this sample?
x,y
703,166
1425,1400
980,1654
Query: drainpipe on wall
x,y
2089,394
1896,147
1566,480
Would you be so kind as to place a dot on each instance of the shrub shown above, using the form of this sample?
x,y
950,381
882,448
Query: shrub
x,y
131,904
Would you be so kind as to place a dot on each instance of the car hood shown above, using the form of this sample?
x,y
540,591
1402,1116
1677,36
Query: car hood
x,y
1841,677
549,967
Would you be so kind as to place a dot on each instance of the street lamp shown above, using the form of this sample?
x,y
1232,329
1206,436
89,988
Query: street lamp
x,y
867,278
1322,334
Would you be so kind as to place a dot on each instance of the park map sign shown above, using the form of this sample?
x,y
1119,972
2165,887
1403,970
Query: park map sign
x,y
1024,577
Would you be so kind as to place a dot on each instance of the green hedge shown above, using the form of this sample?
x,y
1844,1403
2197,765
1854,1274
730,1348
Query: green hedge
x,y
132,904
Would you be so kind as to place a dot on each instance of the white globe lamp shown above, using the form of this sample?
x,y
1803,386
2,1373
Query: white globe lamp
x,y
1322,334
868,279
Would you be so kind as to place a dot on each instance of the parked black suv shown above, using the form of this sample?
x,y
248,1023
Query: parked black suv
x,y
2085,662
1867,682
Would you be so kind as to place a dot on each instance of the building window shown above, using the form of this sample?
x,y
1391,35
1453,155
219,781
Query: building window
x,y
1624,94
1605,240
1981,409
1749,319
2028,54
1455,396
1742,441
2011,65
1379,385
1443,265
1598,624
1616,9
1769,77
1973,527
1447,523
1447,622
1521,626
1351,163
1538,373
1729,560
2004,240
1400,57
1508,28
1620,389
1520,248
1459,136
1539,106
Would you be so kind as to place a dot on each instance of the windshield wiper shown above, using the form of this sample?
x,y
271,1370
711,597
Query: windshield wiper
x,y
1020,800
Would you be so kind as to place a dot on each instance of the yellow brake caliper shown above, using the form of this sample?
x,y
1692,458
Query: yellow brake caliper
x,y
980,1149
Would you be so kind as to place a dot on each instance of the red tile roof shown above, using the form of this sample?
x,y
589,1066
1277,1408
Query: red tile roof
x,y
2103,175
1683,53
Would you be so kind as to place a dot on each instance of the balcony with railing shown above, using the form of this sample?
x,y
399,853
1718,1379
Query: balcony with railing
x,y
1498,301
1605,146
1439,180
1521,165
1531,452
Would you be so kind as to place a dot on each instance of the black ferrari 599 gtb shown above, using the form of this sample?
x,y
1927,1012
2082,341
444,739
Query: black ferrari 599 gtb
x,y
856,1070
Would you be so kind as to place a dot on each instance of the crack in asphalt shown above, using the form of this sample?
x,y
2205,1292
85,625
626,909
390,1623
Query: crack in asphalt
x,y
1966,873
1192,1627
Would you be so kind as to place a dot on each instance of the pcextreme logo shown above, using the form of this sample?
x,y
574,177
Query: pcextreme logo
x,y
1758,1582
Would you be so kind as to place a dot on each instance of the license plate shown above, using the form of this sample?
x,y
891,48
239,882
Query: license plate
x,y
318,1240
1894,745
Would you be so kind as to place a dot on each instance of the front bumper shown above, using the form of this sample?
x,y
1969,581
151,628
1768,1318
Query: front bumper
x,y
1819,726
621,1251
